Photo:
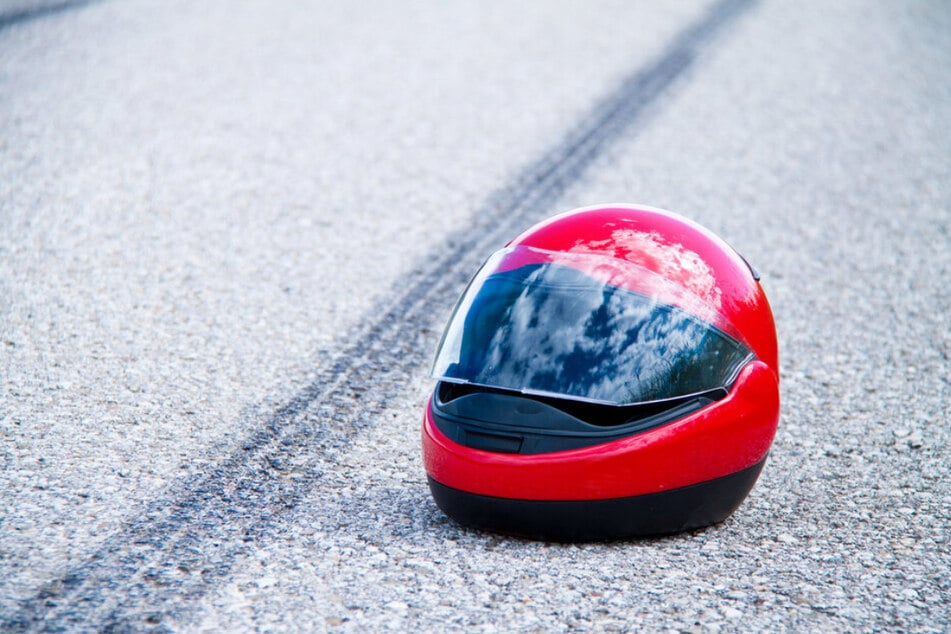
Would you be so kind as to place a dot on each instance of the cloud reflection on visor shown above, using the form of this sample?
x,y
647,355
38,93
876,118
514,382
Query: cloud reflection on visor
x,y
551,329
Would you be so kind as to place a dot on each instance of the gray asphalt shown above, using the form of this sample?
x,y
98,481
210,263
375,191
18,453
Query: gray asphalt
x,y
232,233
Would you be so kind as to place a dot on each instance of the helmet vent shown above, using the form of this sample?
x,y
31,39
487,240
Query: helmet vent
x,y
592,413
503,421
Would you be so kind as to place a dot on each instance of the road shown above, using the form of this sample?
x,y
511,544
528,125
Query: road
x,y
232,233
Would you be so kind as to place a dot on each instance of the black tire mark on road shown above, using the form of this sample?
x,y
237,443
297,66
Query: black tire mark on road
x,y
181,545
26,14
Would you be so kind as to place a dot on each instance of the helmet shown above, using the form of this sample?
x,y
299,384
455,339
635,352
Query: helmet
x,y
612,372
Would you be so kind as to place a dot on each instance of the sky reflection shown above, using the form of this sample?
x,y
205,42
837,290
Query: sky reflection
x,y
551,329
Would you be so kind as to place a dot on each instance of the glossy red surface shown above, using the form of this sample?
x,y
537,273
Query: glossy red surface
x,y
675,261
722,438
677,249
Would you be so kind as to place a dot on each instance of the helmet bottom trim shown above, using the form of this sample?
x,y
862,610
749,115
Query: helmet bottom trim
x,y
662,513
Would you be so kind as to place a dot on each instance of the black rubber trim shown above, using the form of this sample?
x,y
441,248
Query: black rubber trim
x,y
508,422
663,513
753,271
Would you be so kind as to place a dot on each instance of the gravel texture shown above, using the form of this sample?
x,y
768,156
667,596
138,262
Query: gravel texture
x,y
212,216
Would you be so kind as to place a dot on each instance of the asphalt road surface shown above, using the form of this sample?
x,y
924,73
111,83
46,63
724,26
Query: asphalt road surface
x,y
230,233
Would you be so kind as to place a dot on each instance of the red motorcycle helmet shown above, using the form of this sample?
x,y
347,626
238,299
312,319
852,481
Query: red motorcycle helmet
x,y
611,373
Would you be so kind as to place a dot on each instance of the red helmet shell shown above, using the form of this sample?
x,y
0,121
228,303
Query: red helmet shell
x,y
679,250
666,472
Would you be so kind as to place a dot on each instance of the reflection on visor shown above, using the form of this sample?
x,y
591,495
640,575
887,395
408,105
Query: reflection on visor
x,y
550,329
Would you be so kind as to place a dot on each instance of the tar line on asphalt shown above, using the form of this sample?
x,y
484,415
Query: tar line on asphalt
x,y
176,548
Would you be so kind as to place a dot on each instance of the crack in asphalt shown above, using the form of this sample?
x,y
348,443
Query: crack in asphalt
x,y
176,548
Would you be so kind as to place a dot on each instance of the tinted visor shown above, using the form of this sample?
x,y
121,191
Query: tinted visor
x,y
558,324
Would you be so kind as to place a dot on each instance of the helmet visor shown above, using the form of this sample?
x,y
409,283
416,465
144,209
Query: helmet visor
x,y
586,327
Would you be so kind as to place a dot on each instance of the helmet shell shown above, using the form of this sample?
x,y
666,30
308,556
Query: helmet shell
x,y
691,469
681,251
